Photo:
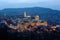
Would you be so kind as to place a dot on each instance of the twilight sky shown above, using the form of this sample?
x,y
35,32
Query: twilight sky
x,y
53,4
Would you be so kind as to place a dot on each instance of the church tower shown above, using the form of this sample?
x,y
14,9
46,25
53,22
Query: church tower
x,y
25,14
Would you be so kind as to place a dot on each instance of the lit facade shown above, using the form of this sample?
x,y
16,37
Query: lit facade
x,y
37,17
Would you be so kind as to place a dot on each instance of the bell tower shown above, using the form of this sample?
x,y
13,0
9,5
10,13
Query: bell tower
x,y
25,14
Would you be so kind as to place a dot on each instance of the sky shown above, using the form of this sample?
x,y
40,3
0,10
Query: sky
x,y
53,4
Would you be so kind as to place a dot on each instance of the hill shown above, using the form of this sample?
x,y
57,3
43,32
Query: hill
x,y
44,13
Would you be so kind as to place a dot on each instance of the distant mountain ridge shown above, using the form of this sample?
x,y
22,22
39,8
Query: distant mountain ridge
x,y
44,13
32,10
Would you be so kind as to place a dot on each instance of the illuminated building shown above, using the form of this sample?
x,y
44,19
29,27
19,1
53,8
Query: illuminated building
x,y
26,15
53,27
57,25
37,17
33,24
42,23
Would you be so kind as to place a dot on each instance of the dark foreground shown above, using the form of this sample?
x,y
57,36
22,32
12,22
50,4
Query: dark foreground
x,y
26,35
